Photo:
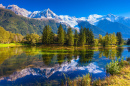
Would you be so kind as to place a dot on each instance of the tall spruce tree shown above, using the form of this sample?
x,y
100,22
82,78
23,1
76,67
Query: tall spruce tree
x,y
65,37
61,39
128,41
70,37
119,38
90,37
87,35
82,37
76,37
48,35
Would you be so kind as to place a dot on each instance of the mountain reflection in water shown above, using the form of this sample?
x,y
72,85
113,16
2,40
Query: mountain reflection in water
x,y
36,65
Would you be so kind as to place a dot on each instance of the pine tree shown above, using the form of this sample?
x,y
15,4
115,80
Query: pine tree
x,y
119,38
48,35
87,35
70,37
61,39
65,37
82,37
90,37
76,37
128,41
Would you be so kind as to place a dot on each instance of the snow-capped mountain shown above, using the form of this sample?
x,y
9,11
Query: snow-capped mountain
x,y
72,21
19,11
1,5
47,13
92,21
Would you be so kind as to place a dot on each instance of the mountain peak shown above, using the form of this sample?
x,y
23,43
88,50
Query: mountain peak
x,y
94,18
47,13
18,10
1,5
48,9
110,15
13,6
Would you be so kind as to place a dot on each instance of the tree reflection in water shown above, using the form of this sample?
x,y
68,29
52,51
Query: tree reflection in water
x,y
13,60
111,53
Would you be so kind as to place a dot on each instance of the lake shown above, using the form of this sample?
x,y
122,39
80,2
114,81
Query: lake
x,y
40,66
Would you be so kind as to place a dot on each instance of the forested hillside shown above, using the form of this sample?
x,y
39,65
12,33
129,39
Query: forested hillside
x,y
17,24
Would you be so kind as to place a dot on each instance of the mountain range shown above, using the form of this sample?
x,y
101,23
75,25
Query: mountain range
x,y
100,24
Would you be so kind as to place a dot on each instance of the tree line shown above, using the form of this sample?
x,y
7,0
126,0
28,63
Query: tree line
x,y
77,38
85,36
111,39
8,37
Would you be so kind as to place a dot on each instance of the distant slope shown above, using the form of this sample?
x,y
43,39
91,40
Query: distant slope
x,y
17,24
111,27
96,30
125,21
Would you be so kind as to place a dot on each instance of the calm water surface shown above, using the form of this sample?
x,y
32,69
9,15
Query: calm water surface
x,y
36,66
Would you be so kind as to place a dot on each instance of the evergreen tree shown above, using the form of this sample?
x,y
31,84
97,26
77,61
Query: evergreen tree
x,y
61,39
82,37
87,36
65,37
76,37
90,37
128,41
119,38
52,37
48,35
107,33
70,37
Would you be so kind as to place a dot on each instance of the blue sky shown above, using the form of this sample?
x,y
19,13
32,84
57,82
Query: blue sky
x,y
78,8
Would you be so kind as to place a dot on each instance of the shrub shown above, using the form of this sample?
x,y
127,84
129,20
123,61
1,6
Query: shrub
x,y
79,81
113,67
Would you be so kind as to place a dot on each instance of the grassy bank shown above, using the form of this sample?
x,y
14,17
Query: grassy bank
x,y
11,45
120,78
120,75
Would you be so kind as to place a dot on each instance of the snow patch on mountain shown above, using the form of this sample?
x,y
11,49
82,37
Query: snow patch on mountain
x,y
93,19
47,13
64,19
111,17
19,11
72,21
1,5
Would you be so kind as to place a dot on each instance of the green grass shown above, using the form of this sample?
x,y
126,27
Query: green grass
x,y
79,81
120,79
11,44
